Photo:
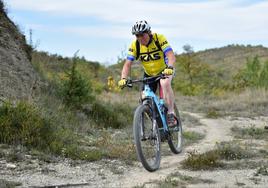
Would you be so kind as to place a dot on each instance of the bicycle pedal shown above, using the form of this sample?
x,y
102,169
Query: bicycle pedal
x,y
143,139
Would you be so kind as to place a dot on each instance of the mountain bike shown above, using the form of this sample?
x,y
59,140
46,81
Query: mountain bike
x,y
150,125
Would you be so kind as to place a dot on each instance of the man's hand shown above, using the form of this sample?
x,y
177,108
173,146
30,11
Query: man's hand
x,y
122,82
168,71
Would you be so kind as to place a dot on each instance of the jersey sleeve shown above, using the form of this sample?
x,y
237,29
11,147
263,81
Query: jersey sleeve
x,y
132,52
164,43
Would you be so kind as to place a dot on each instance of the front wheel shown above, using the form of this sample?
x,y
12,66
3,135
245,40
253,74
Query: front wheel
x,y
175,134
147,138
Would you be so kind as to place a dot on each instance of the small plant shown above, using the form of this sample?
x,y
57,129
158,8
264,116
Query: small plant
x,y
205,161
213,113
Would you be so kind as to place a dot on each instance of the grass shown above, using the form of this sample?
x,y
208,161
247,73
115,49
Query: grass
x,y
213,159
191,137
250,133
247,103
116,147
189,121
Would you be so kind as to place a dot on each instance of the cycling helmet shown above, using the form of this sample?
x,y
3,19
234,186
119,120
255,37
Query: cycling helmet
x,y
140,27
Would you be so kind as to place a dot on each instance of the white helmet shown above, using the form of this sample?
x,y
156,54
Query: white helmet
x,y
140,27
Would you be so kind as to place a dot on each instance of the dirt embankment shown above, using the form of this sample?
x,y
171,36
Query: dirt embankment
x,y
18,80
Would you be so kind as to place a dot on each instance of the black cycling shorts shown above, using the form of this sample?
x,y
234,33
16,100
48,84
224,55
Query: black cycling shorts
x,y
153,85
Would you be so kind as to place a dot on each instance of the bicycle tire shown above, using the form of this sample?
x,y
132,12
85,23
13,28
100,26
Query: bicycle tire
x,y
141,137
175,138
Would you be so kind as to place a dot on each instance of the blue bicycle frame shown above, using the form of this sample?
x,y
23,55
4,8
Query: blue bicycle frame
x,y
159,103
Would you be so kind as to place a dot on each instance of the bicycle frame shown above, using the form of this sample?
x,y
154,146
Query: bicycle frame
x,y
159,103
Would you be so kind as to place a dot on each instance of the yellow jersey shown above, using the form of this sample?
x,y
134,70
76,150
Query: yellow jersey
x,y
151,57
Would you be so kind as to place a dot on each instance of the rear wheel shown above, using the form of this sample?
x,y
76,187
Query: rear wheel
x,y
175,134
147,138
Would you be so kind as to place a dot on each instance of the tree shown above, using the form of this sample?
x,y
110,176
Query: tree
x,y
76,90
263,78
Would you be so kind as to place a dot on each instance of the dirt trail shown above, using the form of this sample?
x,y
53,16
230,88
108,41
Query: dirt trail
x,y
217,130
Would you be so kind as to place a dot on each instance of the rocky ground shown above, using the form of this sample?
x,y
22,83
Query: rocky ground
x,y
26,170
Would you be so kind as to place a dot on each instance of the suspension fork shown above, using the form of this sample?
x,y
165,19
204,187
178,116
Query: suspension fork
x,y
150,102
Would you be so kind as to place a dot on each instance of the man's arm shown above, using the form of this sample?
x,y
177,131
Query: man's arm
x,y
171,58
126,69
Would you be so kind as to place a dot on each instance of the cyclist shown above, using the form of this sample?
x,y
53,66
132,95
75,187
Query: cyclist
x,y
156,56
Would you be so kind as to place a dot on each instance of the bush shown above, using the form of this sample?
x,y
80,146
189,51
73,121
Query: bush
x,y
253,75
110,115
205,161
211,159
76,90
23,124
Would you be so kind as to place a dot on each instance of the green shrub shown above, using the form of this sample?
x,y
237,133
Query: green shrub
x,y
76,90
211,159
23,124
204,161
110,115
255,74
263,80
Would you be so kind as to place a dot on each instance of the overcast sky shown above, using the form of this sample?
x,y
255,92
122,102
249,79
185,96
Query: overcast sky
x,y
101,29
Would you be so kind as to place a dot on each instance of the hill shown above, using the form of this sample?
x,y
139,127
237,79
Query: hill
x,y
17,76
231,58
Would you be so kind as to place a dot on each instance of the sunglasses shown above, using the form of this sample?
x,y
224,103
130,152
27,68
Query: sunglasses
x,y
140,35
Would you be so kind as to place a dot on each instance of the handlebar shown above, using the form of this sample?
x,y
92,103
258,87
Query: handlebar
x,y
146,80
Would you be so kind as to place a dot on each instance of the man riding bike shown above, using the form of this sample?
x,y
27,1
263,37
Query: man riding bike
x,y
156,57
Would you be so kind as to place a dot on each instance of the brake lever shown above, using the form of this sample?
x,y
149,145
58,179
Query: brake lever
x,y
129,83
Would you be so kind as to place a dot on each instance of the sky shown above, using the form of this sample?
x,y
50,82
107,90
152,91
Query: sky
x,y
101,29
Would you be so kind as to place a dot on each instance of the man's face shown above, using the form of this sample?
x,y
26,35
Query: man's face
x,y
143,38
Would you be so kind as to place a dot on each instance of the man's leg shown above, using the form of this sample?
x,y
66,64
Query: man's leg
x,y
168,93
